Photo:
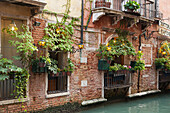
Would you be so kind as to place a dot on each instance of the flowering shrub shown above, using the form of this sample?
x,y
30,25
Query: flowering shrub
x,y
117,67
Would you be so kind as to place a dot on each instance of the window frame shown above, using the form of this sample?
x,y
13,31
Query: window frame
x,y
57,94
150,46
24,18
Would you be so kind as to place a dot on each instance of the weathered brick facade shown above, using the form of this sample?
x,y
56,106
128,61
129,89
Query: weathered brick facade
x,y
87,70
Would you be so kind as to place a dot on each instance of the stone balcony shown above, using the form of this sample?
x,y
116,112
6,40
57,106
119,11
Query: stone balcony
x,y
115,8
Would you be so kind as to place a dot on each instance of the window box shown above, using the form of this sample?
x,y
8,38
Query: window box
x,y
102,4
131,12
132,64
107,4
39,66
167,72
103,64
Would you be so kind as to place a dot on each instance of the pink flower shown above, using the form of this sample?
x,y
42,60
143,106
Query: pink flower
x,y
129,67
124,66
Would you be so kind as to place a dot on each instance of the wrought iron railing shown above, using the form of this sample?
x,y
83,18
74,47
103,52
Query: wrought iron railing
x,y
158,14
146,9
118,79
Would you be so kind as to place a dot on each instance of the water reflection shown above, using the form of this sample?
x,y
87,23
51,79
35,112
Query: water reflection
x,y
157,104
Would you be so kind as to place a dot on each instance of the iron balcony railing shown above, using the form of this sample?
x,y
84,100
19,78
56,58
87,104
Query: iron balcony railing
x,y
146,8
118,79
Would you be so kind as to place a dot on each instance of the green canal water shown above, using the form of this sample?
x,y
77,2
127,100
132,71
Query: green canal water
x,y
151,104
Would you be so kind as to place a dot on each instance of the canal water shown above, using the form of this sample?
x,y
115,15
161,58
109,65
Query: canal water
x,y
151,104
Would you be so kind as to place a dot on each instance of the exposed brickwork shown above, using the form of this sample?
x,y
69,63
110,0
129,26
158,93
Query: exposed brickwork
x,y
38,31
86,71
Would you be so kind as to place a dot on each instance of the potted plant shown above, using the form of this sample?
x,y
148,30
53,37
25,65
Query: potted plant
x,y
39,65
105,56
132,6
70,67
102,3
160,63
107,3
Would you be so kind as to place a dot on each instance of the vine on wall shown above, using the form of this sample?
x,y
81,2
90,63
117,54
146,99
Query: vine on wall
x,y
25,48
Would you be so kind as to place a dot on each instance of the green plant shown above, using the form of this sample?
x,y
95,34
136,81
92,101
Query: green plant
x,y
160,61
21,76
103,53
167,66
52,66
24,44
116,67
116,47
164,50
70,67
133,5
140,64
25,48
7,67
59,35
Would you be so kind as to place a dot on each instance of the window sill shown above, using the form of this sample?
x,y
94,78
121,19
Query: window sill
x,y
57,95
5,102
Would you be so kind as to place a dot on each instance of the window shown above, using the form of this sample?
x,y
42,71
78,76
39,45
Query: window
x,y
7,87
58,83
147,54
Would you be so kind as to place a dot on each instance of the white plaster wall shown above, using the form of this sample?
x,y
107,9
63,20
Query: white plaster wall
x,y
57,6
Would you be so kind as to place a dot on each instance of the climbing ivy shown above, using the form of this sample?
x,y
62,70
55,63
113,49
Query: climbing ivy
x,y
23,44
25,48
140,64
59,35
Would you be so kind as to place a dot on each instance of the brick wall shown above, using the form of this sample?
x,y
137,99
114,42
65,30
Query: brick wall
x,y
84,71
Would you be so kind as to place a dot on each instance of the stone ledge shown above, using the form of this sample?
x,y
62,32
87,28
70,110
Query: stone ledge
x,y
13,101
93,101
57,95
143,93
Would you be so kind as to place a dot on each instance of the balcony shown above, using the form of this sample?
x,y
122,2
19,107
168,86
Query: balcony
x,y
36,6
116,8
117,80
164,79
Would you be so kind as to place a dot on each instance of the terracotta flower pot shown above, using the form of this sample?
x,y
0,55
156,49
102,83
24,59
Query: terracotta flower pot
x,y
130,10
107,4
68,73
99,4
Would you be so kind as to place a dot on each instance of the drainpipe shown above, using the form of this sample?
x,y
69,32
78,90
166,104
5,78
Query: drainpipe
x,y
82,20
140,50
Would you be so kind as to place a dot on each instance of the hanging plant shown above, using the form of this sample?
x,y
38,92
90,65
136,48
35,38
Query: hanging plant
x,y
116,47
59,35
164,50
121,45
